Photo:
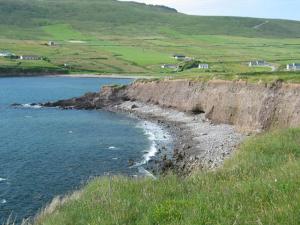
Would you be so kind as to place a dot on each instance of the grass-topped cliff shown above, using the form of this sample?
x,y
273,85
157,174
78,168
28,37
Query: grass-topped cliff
x,y
259,185
109,36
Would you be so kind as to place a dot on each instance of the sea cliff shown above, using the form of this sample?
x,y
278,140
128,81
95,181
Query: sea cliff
x,y
209,119
247,106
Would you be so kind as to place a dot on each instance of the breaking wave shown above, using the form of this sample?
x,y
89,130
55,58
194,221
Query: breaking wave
x,y
157,136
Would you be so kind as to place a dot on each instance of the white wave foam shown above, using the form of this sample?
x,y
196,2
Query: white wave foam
x,y
156,135
31,106
3,201
2,179
152,152
112,147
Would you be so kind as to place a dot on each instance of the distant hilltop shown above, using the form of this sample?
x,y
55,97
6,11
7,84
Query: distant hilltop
x,y
165,8
160,7
20,19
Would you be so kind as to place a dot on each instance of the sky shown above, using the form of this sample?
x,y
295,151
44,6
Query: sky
x,y
281,9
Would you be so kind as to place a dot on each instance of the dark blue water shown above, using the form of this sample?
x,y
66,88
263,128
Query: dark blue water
x,y
49,152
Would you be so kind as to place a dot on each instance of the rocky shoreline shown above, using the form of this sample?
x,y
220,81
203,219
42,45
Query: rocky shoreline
x,y
198,143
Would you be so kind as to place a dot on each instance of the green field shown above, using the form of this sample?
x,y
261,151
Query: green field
x,y
259,185
111,37
226,55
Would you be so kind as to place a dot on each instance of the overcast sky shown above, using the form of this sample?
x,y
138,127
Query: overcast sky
x,y
285,9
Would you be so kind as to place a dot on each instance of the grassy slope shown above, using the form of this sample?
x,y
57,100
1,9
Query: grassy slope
x,y
103,15
259,185
131,38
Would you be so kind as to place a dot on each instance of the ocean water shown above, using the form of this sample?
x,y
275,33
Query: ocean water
x,y
48,152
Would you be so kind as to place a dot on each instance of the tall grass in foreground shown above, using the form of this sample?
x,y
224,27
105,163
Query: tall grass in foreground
x,y
259,185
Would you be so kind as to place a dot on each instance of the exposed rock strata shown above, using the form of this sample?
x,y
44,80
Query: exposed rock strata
x,y
250,107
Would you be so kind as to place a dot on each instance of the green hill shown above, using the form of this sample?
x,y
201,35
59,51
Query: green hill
x,y
108,36
110,17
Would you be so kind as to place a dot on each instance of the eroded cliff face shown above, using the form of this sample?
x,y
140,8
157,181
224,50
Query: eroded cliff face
x,y
250,107
247,106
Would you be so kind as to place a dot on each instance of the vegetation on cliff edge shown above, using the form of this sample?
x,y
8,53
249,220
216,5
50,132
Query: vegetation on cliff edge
x,y
259,185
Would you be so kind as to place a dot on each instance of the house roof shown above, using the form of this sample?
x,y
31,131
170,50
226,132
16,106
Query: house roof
x,y
294,64
178,55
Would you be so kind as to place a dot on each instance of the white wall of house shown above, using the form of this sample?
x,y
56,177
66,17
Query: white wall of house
x,y
203,66
294,67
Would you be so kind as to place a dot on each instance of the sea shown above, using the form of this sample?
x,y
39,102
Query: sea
x,y
46,152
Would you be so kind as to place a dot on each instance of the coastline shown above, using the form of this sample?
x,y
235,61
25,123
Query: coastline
x,y
198,144
195,142
80,75
189,142
116,76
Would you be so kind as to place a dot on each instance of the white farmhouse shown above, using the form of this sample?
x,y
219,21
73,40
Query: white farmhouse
x,y
30,57
258,63
51,43
293,67
169,66
203,66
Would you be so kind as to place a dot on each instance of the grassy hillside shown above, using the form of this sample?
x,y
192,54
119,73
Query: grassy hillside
x,y
107,36
259,185
123,18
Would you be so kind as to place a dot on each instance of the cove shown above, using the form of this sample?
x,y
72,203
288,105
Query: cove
x,y
49,152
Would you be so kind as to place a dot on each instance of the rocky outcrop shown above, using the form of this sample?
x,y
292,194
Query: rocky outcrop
x,y
109,95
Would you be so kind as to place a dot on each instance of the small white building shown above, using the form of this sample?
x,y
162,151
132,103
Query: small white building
x,y
203,66
5,54
51,43
293,67
258,63
169,66
30,57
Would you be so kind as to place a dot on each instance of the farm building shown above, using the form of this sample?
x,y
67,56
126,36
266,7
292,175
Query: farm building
x,y
30,57
51,43
5,54
258,63
293,67
203,66
169,66
179,57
